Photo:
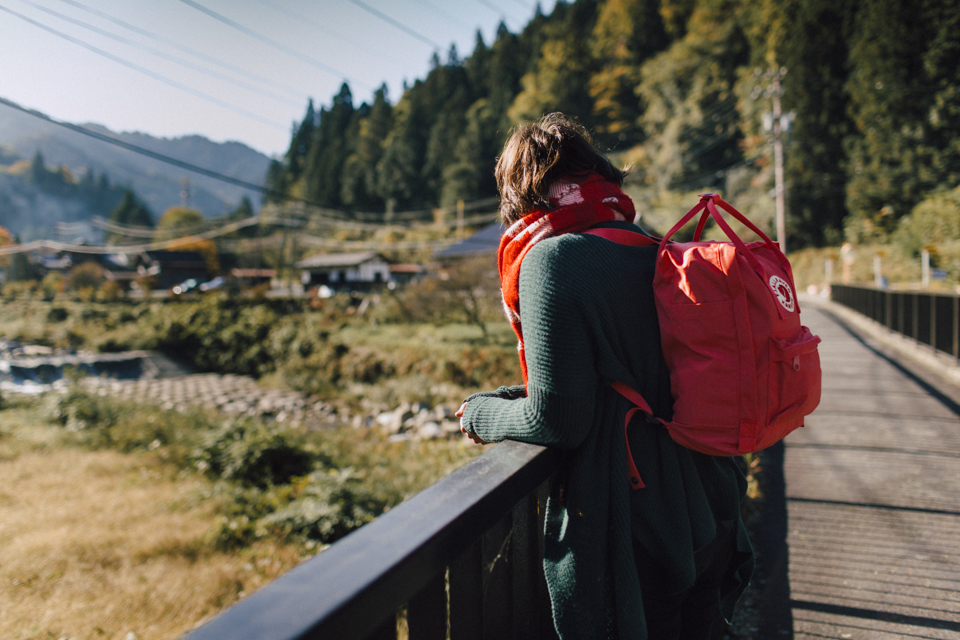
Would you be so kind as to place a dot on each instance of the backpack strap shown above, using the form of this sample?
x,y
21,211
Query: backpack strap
x,y
641,405
623,236
632,239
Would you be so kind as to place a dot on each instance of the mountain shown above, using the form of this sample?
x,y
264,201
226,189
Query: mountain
x,y
156,183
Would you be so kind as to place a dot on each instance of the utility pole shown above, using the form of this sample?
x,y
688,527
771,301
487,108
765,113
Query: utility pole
x,y
778,162
777,123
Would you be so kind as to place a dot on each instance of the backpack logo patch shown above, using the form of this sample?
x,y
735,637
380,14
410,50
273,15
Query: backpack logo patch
x,y
784,293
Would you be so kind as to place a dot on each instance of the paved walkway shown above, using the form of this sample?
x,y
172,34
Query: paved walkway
x,y
873,497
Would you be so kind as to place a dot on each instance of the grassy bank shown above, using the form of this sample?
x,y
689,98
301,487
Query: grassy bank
x,y
117,519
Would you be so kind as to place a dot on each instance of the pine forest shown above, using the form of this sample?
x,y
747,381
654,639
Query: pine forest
x,y
680,90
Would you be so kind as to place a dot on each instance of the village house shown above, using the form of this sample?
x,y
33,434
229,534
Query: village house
x,y
342,270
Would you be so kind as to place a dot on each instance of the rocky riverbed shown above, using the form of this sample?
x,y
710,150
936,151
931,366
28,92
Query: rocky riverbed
x,y
241,395
150,377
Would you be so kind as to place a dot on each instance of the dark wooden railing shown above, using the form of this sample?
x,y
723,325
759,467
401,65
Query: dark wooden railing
x,y
929,318
460,560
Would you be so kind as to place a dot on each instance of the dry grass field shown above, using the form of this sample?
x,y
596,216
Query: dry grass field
x,y
102,544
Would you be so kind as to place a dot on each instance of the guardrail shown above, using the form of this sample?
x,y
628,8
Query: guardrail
x,y
929,318
460,560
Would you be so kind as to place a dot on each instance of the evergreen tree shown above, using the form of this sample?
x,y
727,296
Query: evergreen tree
x,y
902,87
626,34
469,175
509,57
243,211
296,156
450,95
328,151
692,118
131,211
398,168
815,56
358,189
38,170
563,68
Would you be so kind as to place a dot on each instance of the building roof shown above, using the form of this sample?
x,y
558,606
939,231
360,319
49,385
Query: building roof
x,y
253,273
482,242
331,260
407,268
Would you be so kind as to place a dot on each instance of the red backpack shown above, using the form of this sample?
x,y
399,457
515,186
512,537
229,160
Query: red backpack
x,y
743,371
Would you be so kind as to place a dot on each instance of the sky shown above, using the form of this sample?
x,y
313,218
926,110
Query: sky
x,y
227,69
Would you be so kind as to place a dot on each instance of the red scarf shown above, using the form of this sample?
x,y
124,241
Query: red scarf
x,y
574,208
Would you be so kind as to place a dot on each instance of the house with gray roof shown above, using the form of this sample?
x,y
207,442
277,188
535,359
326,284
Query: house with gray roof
x,y
342,270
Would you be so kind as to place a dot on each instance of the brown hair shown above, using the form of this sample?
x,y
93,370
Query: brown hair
x,y
539,153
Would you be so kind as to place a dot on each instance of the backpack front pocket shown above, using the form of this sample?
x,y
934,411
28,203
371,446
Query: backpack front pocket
x,y
794,376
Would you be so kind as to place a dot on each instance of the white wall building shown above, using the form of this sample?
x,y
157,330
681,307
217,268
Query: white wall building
x,y
344,269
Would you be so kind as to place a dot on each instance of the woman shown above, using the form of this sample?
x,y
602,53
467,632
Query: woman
x,y
668,560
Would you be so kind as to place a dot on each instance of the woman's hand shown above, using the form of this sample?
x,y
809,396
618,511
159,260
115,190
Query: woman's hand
x,y
459,414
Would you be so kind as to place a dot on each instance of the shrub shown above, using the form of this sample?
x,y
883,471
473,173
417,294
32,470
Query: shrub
x,y
933,221
52,284
331,504
247,451
88,275
57,314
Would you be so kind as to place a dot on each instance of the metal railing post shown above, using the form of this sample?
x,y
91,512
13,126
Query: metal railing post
x,y
933,322
889,310
916,318
956,328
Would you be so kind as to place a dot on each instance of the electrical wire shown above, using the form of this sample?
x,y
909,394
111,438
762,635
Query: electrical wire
x,y
162,54
142,151
392,22
130,231
440,12
302,19
39,245
148,72
189,51
273,43
498,10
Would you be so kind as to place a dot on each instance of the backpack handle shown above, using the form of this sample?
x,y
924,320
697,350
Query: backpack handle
x,y
708,204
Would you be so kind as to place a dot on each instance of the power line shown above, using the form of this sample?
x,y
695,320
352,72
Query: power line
x,y
39,245
273,43
148,72
302,19
142,151
392,22
446,16
161,54
188,50
489,5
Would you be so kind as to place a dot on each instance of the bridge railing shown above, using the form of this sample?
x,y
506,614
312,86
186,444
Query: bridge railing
x,y
929,318
460,560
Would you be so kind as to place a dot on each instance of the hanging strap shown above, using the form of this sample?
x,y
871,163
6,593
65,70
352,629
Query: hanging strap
x,y
632,239
634,397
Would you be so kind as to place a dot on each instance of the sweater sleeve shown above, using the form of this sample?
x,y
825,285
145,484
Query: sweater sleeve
x,y
561,361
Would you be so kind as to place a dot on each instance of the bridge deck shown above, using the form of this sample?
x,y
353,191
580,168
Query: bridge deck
x,y
873,497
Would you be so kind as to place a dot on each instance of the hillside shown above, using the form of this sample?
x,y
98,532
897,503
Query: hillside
x,y
156,183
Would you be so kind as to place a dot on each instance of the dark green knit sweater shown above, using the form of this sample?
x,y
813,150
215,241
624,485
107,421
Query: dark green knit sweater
x,y
588,316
